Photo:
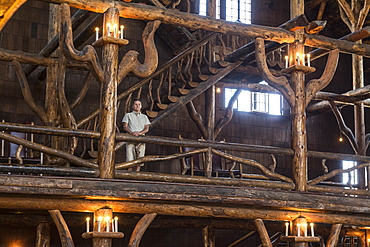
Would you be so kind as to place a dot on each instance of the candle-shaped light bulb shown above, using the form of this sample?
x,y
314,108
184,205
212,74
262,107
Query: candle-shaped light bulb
x,y
305,229
298,230
122,27
286,228
96,33
116,224
286,61
99,223
303,59
115,30
107,219
312,231
308,60
88,224
297,58
108,29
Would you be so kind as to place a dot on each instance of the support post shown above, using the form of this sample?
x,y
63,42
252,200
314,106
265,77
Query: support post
x,y
108,100
101,224
263,233
300,229
208,233
334,235
43,235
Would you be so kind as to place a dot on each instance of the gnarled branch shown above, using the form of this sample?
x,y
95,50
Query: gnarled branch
x,y
197,118
140,229
27,94
346,13
363,14
130,63
228,113
88,54
343,127
315,85
336,172
280,83
255,164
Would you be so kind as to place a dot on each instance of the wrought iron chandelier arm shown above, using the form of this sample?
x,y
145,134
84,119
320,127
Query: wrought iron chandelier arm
x,y
88,53
280,83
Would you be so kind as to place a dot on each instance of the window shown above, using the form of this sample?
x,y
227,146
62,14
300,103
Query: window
x,y
230,10
255,101
349,177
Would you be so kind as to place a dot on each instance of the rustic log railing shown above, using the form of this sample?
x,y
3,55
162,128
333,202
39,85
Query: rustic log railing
x,y
86,168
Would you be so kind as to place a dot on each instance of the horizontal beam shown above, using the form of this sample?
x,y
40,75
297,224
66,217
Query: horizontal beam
x,y
174,209
194,21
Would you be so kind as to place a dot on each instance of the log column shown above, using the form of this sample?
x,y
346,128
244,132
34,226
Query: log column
x,y
300,229
299,137
108,100
100,225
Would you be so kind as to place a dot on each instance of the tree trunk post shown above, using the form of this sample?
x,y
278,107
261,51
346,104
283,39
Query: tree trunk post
x,y
102,224
208,233
299,228
108,101
43,235
299,137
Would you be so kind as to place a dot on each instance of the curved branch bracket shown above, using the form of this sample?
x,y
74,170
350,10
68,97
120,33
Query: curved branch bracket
x,y
88,54
281,83
315,85
140,229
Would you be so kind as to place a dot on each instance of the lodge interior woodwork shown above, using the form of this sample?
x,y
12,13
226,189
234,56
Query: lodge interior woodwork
x,y
213,175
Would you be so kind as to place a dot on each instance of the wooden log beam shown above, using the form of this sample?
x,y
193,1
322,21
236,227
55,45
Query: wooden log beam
x,y
24,57
355,36
194,21
214,211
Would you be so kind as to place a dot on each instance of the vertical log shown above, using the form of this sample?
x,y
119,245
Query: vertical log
x,y
334,235
210,125
108,100
54,23
43,235
299,231
299,137
100,223
208,163
359,113
263,233
208,233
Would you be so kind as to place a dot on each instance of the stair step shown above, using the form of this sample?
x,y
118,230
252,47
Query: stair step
x,y
191,84
200,77
169,99
179,91
151,114
160,107
210,70
220,64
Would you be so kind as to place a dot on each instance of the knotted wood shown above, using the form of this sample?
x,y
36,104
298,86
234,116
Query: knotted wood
x,y
140,229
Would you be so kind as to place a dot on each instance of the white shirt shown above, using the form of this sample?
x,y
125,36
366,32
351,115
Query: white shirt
x,y
136,121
